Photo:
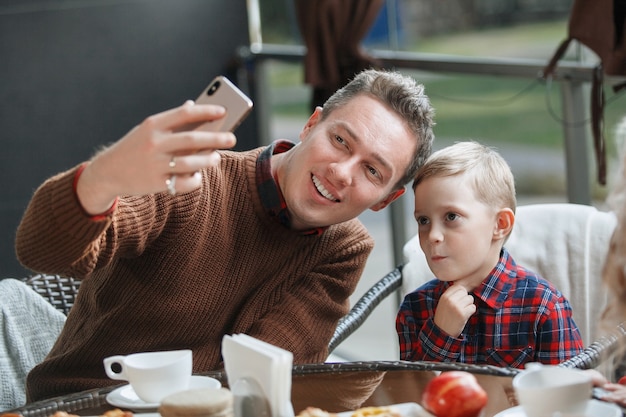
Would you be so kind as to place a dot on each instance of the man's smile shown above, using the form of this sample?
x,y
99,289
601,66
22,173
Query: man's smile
x,y
323,191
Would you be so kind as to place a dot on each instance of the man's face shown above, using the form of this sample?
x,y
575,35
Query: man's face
x,y
345,164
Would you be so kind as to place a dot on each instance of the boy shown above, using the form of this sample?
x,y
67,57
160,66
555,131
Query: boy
x,y
483,308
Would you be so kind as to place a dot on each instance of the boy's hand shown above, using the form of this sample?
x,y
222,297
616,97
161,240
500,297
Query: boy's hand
x,y
455,307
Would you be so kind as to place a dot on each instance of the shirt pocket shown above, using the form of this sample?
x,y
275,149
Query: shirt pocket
x,y
515,358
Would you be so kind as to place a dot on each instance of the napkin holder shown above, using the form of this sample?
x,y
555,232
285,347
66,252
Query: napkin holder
x,y
256,368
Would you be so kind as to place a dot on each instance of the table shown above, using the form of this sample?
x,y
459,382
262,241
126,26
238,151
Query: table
x,y
333,387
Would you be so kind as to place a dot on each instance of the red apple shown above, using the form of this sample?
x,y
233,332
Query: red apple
x,y
454,394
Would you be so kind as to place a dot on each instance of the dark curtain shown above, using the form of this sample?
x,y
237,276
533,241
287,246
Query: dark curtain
x,y
332,31
599,25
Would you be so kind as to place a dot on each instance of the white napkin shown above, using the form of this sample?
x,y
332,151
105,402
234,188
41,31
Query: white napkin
x,y
268,365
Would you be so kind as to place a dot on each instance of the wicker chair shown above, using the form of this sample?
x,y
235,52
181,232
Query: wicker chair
x,y
598,351
59,291
591,357
581,233
361,310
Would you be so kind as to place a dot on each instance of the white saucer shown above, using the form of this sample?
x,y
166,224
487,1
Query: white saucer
x,y
125,396
404,409
595,408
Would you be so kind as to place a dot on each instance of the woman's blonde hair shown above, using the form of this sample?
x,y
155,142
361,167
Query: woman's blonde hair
x,y
614,271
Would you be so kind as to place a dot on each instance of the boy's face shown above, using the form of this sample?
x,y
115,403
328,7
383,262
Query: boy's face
x,y
345,164
458,234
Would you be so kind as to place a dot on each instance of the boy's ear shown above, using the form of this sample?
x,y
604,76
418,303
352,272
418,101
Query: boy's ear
x,y
505,219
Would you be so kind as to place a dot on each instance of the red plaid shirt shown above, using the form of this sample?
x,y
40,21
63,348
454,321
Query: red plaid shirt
x,y
520,318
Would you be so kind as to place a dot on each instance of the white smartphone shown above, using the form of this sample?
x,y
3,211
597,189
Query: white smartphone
x,y
223,92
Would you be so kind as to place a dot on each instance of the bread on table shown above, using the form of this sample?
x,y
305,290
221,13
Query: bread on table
x,y
198,402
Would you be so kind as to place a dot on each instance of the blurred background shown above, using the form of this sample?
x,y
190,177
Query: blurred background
x,y
77,75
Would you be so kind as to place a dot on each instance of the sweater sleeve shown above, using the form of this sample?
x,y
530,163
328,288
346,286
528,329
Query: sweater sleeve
x,y
57,236
54,231
305,319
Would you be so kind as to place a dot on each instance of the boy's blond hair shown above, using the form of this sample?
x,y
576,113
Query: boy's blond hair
x,y
488,172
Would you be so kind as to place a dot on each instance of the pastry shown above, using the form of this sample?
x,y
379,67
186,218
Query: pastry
x,y
376,411
198,402
361,412
116,412
315,412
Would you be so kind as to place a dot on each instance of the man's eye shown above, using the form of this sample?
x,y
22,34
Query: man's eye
x,y
422,220
373,171
339,139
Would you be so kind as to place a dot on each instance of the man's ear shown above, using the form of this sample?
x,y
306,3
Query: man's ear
x,y
505,219
388,200
313,120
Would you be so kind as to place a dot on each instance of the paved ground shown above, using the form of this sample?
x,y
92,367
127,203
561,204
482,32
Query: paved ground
x,y
376,339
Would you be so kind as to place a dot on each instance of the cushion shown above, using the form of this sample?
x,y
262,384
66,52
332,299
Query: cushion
x,y
30,325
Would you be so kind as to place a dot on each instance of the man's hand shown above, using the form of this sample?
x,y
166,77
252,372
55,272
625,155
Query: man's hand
x,y
160,150
455,307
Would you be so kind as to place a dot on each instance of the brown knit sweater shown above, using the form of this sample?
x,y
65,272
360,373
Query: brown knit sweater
x,y
168,272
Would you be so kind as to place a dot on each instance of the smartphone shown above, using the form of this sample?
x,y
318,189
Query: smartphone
x,y
223,92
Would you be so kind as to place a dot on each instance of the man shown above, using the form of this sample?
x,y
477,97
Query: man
x,y
264,242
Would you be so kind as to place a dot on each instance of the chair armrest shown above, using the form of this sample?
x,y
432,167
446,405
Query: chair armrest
x,y
598,351
59,291
365,305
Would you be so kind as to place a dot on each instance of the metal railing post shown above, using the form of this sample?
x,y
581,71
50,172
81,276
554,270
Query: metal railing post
x,y
399,235
574,99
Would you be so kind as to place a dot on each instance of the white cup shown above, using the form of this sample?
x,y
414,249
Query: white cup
x,y
153,375
547,391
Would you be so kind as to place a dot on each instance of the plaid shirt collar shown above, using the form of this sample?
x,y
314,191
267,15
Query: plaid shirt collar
x,y
494,290
269,190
